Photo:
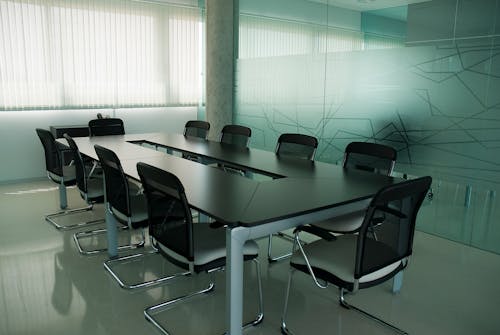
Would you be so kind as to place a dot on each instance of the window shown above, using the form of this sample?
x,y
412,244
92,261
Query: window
x,y
262,37
98,53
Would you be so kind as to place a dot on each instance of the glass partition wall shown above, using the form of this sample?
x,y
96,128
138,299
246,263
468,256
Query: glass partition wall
x,y
421,76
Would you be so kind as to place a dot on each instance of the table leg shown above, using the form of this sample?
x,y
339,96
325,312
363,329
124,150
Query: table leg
x,y
397,282
234,279
111,233
63,198
111,230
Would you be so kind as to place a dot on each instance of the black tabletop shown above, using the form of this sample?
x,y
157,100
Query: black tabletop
x,y
301,186
287,197
210,190
260,161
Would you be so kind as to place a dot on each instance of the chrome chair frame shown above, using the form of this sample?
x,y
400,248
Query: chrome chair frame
x,y
152,310
87,234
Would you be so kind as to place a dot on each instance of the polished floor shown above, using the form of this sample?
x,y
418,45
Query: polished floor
x,y
46,287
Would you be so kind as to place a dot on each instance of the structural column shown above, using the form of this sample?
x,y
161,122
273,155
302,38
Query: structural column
x,y
221,39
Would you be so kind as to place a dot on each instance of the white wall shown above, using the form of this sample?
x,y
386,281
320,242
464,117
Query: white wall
x,y
21,151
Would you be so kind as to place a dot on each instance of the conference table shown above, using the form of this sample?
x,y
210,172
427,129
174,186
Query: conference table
x,y
298,192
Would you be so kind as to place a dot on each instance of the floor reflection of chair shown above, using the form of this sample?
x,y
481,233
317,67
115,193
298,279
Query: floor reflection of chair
x,y
194,247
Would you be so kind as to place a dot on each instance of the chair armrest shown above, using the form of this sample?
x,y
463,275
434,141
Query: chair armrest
x,y
216,224
317,231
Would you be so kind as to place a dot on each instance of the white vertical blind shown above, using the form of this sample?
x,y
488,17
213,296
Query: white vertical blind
x,y
262,37
265,37
268,37
95,53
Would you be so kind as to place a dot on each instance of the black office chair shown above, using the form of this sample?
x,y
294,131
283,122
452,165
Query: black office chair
x,y
235,135
372,157
106,126
357,261
238,136
91,188
60,173
295,146
194,247
197,128
127,207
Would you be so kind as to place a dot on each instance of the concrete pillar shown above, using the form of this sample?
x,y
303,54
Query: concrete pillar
x,y
221,35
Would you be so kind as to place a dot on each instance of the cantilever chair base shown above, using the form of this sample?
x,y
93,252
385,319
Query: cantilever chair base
x,y
50,218
151,311
108,265
285,330
86,234
345,304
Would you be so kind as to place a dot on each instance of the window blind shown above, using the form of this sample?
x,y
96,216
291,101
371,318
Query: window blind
x,y
262,37
98,53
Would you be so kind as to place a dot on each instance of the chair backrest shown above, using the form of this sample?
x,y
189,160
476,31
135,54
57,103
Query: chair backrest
x,y
371,157
116,185
103,127
80,172
399,205
297,145
53,157
164,194
236,135
197,128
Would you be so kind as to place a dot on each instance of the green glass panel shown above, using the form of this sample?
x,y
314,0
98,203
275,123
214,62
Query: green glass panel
x,y
395,76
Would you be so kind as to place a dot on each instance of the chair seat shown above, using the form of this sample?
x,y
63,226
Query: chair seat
x,y
138,209
337,258
209,246
68,172
347,223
